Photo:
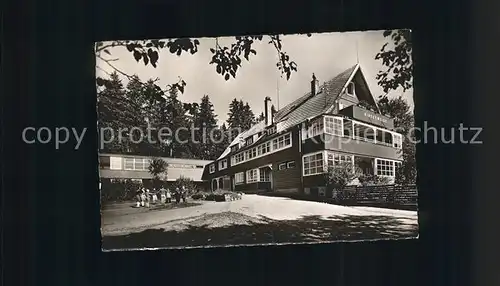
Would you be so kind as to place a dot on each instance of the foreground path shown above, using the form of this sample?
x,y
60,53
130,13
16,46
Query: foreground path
x,y
250,209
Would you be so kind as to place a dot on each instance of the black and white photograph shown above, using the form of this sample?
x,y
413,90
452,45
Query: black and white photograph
x,y
256,140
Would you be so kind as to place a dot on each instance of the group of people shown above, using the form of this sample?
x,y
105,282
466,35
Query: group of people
x,y
144,196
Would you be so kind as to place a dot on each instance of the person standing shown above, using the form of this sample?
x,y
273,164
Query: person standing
x,y
154,196
169,196
147,197
143,197
163,195
177,195
138,197
184,194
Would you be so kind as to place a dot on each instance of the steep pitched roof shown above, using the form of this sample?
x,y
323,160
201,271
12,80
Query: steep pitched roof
x,y
313,106
306,106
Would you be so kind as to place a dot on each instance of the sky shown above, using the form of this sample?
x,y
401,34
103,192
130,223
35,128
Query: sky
x,y
325,55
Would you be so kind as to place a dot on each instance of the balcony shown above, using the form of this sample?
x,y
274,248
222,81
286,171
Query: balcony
x,y
335,132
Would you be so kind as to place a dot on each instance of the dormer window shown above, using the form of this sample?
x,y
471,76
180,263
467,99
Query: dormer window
x,y
223,164
350,89
271,130
235,148
249,140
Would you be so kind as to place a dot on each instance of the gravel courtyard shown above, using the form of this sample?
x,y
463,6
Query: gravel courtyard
x,y
252,220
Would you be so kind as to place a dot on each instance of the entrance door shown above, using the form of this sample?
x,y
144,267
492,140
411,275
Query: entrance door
x,y
214,185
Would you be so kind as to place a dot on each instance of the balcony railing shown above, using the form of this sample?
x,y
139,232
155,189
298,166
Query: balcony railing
x,y
319,126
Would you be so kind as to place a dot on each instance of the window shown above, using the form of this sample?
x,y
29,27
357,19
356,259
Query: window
x,y
397,138
334,125
334,159
129,163
252,153
348,127
350,89
274,145
316,127
222,164
239,178
137,164
385,168
384,138
364,132
264,148
282,166
282,142
199,166
252,175
235,148
290,164
238,158
212,168
271,130
249,140
313,164
264,175
115,163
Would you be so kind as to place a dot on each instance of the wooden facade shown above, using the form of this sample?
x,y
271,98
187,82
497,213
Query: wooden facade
x,y
342,133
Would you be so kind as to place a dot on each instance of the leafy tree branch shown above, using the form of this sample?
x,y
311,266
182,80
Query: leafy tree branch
x,y
227,59
396,57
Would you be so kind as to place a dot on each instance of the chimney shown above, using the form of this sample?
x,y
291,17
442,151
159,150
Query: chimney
x,y
314,86
267,112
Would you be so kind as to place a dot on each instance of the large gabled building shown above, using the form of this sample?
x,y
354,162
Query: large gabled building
x,y
290,151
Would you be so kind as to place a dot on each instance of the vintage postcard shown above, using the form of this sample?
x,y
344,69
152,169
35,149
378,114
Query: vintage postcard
x,y
256,140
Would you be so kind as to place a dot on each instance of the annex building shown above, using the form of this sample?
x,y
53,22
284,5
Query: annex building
x,y
121,167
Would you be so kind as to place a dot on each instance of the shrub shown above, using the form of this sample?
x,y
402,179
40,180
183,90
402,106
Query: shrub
x,y
220,196
118,191
198,196
185,182
339,176
372,180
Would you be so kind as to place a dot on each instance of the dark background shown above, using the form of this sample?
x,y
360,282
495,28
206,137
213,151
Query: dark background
x,y
51,203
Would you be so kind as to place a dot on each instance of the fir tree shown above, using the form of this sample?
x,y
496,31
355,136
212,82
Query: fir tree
x,y
206,123
176,144
115,112
261,117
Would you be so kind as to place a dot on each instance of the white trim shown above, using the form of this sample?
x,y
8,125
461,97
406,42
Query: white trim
x,y
400,136
345,86
388,160
249,172
353,121
353,89
281,164
311,154
288,164
271,149
351,77
212,168
145,163
221,167
115,163
334,119
239,182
